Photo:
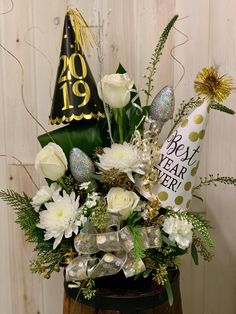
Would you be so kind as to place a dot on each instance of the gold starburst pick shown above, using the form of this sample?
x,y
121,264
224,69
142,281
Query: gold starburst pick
x,y
208,83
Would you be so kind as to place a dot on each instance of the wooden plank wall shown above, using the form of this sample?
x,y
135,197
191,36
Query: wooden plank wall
x,y
32,31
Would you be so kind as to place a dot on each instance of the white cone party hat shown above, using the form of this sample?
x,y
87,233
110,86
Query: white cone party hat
x,y
179,160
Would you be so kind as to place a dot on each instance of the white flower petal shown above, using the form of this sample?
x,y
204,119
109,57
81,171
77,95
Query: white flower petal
x,y
57,241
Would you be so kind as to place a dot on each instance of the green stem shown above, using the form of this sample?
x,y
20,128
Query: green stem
x,y
173,127
69,139
118,115
62,183
120,124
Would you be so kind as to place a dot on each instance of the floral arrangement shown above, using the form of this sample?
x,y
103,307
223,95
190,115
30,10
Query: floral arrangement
x,y
117,200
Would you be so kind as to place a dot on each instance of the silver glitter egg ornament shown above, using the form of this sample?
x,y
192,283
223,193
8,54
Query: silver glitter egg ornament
x,y
81,166
162,106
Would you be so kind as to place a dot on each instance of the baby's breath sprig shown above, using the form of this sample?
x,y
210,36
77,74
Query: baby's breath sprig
x,y
213,180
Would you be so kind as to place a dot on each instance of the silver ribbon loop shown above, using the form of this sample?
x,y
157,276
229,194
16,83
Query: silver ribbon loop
x,y
117,247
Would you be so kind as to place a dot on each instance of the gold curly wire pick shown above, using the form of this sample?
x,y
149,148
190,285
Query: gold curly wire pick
x,y
23,166
22,90
43,54
10,9
176,46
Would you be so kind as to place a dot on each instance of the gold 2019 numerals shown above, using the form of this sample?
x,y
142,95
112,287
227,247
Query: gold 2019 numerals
x,y
79,88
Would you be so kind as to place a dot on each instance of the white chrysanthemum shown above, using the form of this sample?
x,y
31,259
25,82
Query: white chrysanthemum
x,y
44,194
62,217
179,230
124,157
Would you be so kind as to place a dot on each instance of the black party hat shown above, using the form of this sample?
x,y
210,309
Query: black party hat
x,y
75,96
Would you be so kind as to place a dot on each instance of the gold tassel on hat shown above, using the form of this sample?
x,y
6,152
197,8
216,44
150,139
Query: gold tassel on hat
x,y
83,32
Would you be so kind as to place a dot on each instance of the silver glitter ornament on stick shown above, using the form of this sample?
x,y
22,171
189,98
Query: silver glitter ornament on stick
x,y
81,166
162,106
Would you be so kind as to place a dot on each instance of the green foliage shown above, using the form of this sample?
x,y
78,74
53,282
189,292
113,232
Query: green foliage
x,y
221,107
133,219
156,58
169,292
48,260
201,226
194,253
139,250
45,263
26,216
213,180
89,291
132,117
167,240
184,110
87,135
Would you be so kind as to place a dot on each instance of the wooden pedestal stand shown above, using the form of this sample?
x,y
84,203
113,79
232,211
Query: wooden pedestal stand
x,y
113,297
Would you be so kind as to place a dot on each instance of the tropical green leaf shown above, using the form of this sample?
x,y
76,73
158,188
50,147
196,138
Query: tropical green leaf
x,y
194,254
169,292
146,273
86,135
167,240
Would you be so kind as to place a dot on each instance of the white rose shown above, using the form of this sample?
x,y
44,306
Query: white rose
x,y
114,89
51,162
44,194
121,202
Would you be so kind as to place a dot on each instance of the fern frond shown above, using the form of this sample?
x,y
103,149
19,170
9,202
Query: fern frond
x,y
139,250
26,216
